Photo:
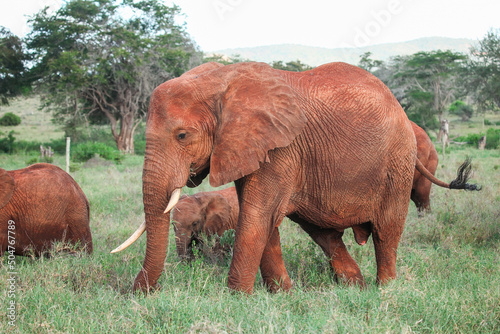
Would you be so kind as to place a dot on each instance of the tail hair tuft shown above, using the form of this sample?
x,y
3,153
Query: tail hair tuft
x,y
463,174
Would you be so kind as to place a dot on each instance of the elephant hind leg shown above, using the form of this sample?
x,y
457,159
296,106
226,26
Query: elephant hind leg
x,y
330,241
386,241
420,196
272,266
79,233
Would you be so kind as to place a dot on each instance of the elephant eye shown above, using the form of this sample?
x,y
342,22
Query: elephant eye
x,y
181,136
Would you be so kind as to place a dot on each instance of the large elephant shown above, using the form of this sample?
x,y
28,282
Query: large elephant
x,y
331,148
427,154
41,204
211,212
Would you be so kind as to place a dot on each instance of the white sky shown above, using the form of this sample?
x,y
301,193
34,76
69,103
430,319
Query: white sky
x,y
221,24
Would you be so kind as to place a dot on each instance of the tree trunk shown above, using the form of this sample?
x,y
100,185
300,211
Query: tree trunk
x,y
125,139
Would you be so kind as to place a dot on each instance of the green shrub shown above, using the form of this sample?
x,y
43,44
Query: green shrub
x,y
462,109
85,151
492,139
487,122
31,161
7,143
10,119
472,139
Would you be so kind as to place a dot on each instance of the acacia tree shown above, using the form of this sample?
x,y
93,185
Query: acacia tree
x,y
99,59
426,83
483,75
13,80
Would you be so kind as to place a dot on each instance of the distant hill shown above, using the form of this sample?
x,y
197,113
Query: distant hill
x,y
315,56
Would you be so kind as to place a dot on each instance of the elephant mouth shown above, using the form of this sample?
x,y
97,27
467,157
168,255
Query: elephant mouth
x,y
197,176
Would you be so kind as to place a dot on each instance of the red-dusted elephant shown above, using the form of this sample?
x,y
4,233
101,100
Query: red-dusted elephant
x,y
427,154
211,212
41,204
331,148
215,212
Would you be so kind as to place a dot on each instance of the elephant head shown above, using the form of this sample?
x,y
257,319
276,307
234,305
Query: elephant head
x,y
208,213
214,119
7,187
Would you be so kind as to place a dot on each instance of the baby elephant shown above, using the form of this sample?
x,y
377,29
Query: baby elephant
x,y
41,204
210,213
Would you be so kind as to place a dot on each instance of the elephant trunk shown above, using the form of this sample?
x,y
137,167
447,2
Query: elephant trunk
x,y
182,243
157,192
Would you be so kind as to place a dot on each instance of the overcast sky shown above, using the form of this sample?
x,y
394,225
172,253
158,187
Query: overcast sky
x,y
221,24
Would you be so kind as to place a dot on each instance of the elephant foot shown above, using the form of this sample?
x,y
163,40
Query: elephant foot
x,y
240,284
277,285
141,284
351,281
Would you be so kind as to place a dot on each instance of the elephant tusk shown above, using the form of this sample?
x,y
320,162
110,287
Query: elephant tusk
x,y
132,238
176,194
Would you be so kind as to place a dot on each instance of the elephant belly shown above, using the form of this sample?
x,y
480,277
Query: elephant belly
x,y
338,214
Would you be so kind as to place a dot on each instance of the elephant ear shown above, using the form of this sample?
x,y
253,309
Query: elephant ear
x,y
258,112
7,186
218,212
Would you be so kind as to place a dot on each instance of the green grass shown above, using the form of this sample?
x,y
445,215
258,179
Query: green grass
x,y
35,125
448,271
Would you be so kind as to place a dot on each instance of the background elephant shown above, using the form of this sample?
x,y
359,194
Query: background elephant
x,y
212,212
427,154
331,148
45,205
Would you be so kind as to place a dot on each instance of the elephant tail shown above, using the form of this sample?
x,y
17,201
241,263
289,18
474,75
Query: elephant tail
x,y
460,182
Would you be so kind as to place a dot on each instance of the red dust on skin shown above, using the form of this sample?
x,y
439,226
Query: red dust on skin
x,y
331,148
421,187
46,205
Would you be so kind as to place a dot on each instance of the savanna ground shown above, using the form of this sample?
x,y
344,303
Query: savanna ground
x,y
448,267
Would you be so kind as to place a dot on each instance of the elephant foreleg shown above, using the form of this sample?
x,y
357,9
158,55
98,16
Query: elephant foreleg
x,y
272,266
257,240
250,242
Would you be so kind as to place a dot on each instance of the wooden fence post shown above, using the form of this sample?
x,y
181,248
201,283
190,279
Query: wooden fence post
x,y
68,141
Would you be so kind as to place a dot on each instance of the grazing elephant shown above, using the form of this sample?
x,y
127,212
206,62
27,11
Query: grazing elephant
x,y
41,204
212,212
330,148
427,154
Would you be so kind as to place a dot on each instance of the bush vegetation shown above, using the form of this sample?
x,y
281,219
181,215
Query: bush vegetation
x,y
492,138
10,119
85,151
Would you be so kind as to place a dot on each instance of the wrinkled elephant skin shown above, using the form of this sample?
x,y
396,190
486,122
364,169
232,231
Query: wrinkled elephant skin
x,y
331,148
44,204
